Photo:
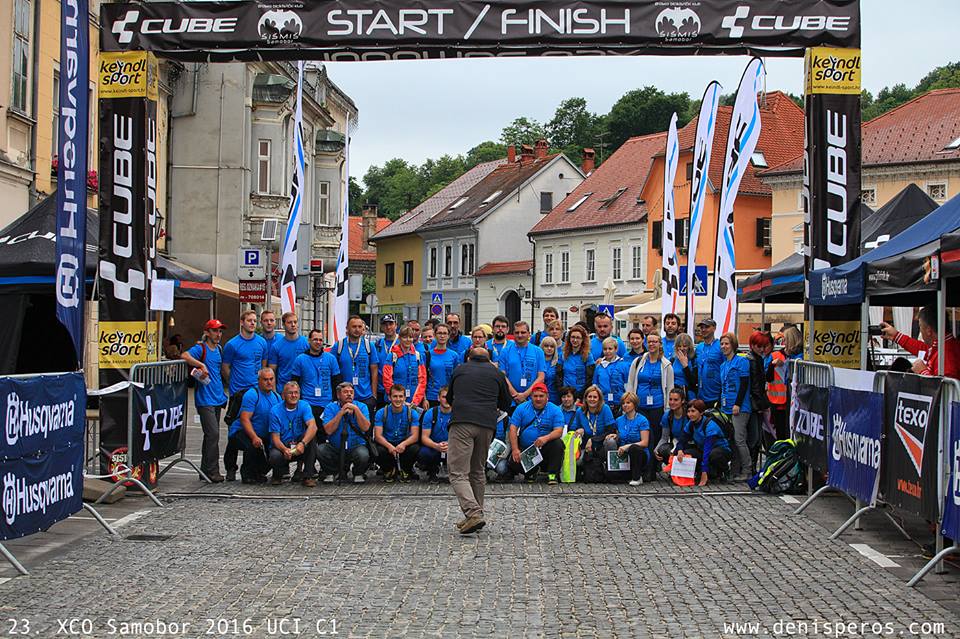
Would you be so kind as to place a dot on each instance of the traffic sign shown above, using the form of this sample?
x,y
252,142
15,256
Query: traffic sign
x,y
436,298
605,309
699,280
436,310
251,264
253,291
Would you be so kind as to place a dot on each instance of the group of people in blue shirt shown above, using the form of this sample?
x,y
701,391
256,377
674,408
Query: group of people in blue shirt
x,y
363,401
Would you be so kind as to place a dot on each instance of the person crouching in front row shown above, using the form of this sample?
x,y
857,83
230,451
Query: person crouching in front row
x,y
537,422
434,430
293,432
396,432
704,439
631,439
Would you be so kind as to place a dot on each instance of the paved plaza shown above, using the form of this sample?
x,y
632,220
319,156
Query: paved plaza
x,y
384,560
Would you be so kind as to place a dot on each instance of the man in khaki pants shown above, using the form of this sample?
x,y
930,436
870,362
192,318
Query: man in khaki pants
x,y
478,392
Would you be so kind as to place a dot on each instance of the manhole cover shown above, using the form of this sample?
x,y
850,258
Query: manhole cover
x,y
148,537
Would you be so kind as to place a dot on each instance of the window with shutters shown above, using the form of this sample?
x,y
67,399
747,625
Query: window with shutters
x,y
548,268
589,265
564,267
388,274
263,166
546,201
55,129
433,261
447,261
763,233
323,203
616,262
408,273
636,262
21,55
682,236
689,171
656,240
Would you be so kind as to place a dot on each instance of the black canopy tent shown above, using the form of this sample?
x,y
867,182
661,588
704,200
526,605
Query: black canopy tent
x,y
32,340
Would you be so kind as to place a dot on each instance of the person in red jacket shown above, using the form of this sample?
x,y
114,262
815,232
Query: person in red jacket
x,y
927,349
404,365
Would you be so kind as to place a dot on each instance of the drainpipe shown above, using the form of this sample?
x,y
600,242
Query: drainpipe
x,y
35,82
533,283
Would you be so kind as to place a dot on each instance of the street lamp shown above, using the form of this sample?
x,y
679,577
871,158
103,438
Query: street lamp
x,y
522,291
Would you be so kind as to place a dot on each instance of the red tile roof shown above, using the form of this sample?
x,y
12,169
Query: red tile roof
x,y
916,131
626,168
358,252
503,268
781,136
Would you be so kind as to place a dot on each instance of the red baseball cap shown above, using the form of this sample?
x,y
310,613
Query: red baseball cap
x,y
539,386
213,324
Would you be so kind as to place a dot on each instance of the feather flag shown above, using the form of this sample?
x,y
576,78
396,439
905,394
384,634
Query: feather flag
x,y
706,127
341,305
741,142
288,264
670,282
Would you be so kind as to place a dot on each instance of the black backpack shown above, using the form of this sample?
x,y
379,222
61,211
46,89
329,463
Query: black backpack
x,y
782,472
724,421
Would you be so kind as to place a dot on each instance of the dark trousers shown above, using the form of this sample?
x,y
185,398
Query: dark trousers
x,y
254,459
430,459
210,449
638,460
281,465
408,458
653,415
321,436
779,417
371,403
552,453
717,464
329,455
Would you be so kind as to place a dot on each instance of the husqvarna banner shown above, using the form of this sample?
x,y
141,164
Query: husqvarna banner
x,y
951,498
73,127
41,451
384,30
911,433
856,420
159,413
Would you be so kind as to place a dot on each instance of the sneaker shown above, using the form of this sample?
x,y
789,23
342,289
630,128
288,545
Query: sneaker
x,y
636,482
276,480
432,478
531,479
359,479
309,482
404,476
472,525
215,478
297,476
231,475
552,480
389,476
328,479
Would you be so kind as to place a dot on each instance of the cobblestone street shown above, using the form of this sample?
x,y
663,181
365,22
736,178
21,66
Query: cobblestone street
x,y
384,560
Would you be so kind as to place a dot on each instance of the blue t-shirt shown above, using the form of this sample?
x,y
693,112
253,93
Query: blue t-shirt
x,y
209,394
532,423
439,432
594,424
650,384
596,347
569,417
316,374
733,372
628,430
441,368
260,404
462,344
550,379
680,377
612,379
495,349
271,341
283,352
709,360
245,357
575,372
354,361
396,426
674,426
668,345
347,425
383,347
521,365
632,355
290,424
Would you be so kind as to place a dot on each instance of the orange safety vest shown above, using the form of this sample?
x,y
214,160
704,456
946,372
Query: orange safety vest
x,y
777,387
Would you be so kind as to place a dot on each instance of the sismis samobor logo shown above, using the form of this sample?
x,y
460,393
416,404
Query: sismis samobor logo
x,y
280,25
20,497
24,419
855,446
678,23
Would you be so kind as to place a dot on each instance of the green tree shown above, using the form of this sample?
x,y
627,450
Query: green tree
x,y
643,111
395,188
436,174
484,152
574,128
356,197
522,131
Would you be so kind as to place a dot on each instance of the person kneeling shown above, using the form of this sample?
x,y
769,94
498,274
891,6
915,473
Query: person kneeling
x,y
293,432
346,424
537,422
631,440
434,429
704,439
397,434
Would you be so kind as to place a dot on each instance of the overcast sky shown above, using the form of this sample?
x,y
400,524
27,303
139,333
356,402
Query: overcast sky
x,y
420,109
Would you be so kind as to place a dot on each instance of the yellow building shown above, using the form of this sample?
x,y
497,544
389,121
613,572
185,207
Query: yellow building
x,y
917,142
400,273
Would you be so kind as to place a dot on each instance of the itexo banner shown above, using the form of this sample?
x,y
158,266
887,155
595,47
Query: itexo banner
x,y
951,499
41,452
127,84
809,427
421,29
911,430
159,411
856,419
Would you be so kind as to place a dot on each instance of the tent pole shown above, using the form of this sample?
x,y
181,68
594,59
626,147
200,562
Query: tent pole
x,y
941,326
763,313
864,331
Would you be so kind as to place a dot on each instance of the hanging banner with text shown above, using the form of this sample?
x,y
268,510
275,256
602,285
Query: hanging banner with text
x,y
422,29
810,427
836,342
912,431
158,414
856,419
41,452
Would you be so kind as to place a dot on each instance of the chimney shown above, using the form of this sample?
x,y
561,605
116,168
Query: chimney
x,y
541,148
368,224
511,154
589,162
526,153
